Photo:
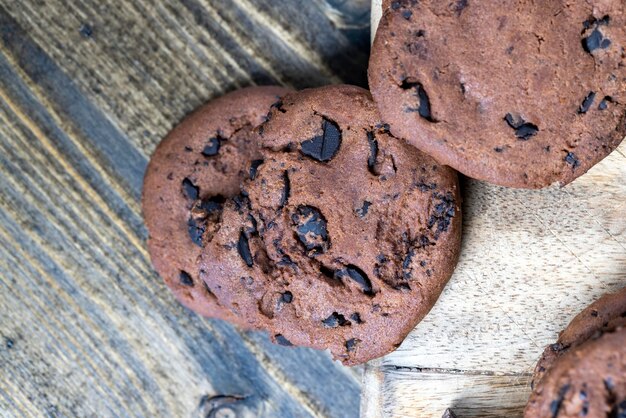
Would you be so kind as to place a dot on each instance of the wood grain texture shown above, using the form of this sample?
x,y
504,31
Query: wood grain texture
x,y
530,261
87,90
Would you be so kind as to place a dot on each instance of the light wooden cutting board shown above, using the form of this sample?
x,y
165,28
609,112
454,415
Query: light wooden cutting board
x,y
530,261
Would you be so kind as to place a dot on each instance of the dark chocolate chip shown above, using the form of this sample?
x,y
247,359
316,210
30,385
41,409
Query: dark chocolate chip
x,y
254,166
202,213
407,270
242,202
424,102
352,343
443,212
188,149
335,320
460,6
282,340
595,40
585,400
572,160
190,190
311,229
243,247
594,313
284,198
586,104
9,343
185,279
196,229
498,149
395,5
555,405
358,276
604,104
371,159
323,147
286,297
356,317
362,211
523,130
619,410
212,147
407,14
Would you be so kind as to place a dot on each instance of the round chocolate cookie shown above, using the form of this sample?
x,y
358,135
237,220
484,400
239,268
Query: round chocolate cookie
x,y
518,93
193,171
584,372
344,237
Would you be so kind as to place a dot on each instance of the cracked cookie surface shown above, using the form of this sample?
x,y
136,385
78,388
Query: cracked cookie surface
x,y
343,237
192,172
518,93
584,372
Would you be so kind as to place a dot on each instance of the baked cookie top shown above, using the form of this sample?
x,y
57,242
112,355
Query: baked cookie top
x,y
518,93
349,235
192,172
584,372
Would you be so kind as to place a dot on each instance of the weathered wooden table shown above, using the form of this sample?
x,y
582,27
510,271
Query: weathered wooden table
x,y
87,90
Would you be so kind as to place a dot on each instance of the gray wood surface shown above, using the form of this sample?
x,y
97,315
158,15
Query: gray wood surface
x,y
87,90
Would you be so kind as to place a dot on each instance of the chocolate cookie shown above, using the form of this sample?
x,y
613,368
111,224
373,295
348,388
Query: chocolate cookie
x,y
344,237
584,372
193,171
518,93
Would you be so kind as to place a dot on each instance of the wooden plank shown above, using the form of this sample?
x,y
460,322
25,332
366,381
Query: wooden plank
x,y
87,89
530,261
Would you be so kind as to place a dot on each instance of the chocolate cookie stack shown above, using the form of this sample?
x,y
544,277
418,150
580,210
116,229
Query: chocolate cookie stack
x,y
332,219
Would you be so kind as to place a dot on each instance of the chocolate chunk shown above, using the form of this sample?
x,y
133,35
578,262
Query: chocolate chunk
x,y
282,340
254,166
190,190
555,405
572,160
243,247
358,276
407,270
196,229
460,6
284,198
586,104
424,102
443,212
523,130
604,104
311,229
335,320
185,279
619,411
356,317
352,343
323,147
212,147
362,211
595,40
371,160
286,297
204,213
